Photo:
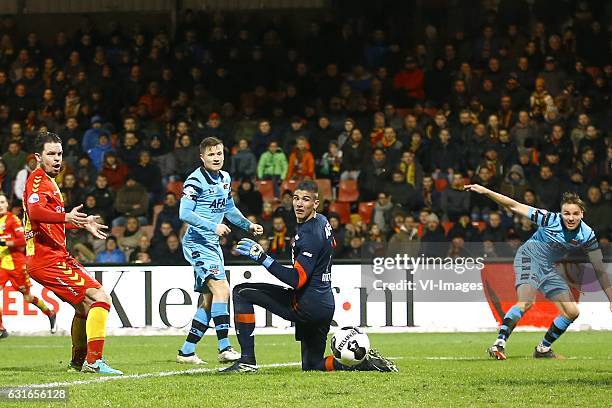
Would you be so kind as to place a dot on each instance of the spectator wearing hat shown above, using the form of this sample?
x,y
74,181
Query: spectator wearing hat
x,y
434,242
214,128
91,136
98,152
553,76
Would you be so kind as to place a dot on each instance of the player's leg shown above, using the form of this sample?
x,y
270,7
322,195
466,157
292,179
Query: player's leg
x,y
199,325
276,299
21,280
78,335
3,331
526,294
555,288
219,312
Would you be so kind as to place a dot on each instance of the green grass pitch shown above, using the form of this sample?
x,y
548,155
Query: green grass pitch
x,y
435,370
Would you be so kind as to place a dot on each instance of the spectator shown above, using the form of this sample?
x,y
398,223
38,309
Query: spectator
x,y
112,254
186,157
514,184
92,135
160,236
104,197
147,174
250,198
14,158
98,153
391,146
244,163
434,242
547,187
6,184
301,161
144,246
131,236
85,171
411,170
354,152
72,194
280,240
373,179
455,201
263,137
285,209
131,200
331,163
402,194
114,171
169,213
381,215
411,81
597,212
428,197
464,228
22,176
171,254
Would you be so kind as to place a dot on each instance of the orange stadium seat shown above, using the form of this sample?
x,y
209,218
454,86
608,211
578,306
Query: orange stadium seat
x,y
289,185
348,191
366,210
175,187
342,209
266,189
447,225
325,189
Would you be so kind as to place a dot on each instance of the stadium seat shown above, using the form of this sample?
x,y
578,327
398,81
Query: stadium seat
x,y
342,209
366,210
447,225
289,185
266,189
441,184
325,189
481,225
176,188
348,191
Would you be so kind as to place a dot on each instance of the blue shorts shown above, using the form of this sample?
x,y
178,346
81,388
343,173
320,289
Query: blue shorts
x,y
542,276
207,262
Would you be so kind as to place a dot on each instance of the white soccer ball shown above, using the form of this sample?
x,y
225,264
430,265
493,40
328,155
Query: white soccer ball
x,y
350,345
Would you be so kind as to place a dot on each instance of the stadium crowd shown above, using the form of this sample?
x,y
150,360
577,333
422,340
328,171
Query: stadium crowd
x,y
390,127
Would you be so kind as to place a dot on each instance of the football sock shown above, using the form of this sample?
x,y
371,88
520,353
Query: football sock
x,y
510,320
199,324
78,333
96,330
41,305
244,319
220,316
556,329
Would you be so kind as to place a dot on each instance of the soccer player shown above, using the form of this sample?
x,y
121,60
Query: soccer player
x,y
50,264
12,262
310,301
206,201
557,234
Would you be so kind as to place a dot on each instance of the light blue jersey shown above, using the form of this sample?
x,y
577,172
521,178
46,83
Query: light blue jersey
x,y
552,241
207,199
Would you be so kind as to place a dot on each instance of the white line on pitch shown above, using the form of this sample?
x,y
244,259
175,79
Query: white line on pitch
x,y
138,376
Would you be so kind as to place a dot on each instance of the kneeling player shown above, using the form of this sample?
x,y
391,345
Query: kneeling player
x,y
310,302
12,262
557,234
50,264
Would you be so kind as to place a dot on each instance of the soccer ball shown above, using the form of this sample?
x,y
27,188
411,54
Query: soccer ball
x,y
350,345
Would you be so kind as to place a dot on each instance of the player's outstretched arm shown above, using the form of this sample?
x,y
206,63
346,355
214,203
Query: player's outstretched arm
x,y
596,259
512,205
295,276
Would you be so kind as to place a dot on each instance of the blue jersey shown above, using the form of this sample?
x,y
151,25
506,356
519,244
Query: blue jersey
x,y
552,240
312,253
207,199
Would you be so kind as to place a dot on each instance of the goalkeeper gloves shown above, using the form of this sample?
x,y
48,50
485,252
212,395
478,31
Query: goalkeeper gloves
x,y
253,250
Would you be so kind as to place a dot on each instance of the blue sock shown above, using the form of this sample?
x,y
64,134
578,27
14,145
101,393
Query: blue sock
x,y
244,320
510,320
199,324
556,329
220,316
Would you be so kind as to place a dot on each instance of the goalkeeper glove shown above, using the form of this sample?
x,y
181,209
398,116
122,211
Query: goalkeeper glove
x,y
253,250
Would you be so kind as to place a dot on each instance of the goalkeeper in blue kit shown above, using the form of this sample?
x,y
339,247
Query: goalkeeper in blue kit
x,y
308,302
534,266
205,203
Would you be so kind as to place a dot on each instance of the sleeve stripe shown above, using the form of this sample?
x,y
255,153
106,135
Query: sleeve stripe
x,y
546,218
302,275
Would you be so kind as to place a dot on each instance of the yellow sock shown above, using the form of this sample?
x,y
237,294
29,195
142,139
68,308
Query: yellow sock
x,y
96,330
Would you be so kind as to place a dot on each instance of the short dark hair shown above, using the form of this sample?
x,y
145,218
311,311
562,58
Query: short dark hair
x,y
209,142
308,185
44,138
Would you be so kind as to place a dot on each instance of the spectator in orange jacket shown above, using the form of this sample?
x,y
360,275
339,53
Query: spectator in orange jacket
x,y
411,80
155,103
301,161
